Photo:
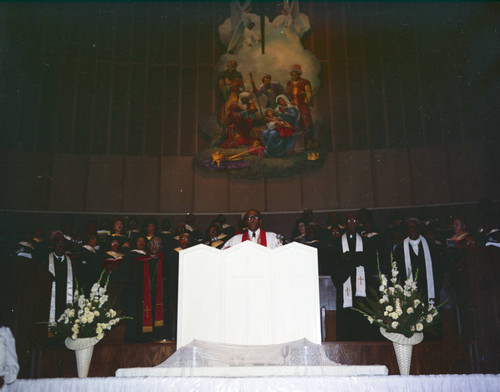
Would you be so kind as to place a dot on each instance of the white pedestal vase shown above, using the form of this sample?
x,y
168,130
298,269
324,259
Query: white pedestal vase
x,y
83,351
403,348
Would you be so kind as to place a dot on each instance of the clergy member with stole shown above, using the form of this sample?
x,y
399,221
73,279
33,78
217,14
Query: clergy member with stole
x,y
254,233
414,254
353,271
59,265
151,317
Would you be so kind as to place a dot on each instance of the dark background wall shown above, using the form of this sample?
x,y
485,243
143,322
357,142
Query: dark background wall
x,y
101,105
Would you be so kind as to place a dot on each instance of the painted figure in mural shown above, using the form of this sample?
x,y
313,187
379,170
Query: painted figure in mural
x,y
239,120
250,38
269,89
290,22
229,85
233,29
281,128
299,92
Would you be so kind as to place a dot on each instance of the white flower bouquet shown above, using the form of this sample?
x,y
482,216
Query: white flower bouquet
x,y
88,316
399,308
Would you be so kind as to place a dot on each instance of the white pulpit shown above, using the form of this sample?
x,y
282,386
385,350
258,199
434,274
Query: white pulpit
x,y
249,311
248,294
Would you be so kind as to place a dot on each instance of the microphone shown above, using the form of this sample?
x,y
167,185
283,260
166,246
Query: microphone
x,y
282,239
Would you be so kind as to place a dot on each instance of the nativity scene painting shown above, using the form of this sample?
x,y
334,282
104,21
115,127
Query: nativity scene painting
x,y
265,85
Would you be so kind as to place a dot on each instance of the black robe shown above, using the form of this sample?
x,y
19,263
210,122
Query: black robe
x,y
171,267
435,332
61,279
351,325
418,264
86,268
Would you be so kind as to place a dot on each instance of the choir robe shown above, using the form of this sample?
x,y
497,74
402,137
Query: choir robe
x,y
228,230
86,267
122,238
172,288
132,296
135,332
167,240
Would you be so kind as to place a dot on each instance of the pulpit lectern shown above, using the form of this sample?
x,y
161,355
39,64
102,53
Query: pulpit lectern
x,y
249,311
249,295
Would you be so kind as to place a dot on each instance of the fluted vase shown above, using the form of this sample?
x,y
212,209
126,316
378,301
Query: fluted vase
x,y
83,348
403,347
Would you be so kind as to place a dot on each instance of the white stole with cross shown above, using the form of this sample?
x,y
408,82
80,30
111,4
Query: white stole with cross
x,y
360,274
360,287
69,287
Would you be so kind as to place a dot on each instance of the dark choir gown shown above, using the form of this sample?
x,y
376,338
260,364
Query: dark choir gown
x,y
172,271
86,267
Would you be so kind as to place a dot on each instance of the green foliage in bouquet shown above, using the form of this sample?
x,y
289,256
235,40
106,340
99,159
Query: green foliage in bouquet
x,y
399,308
88,316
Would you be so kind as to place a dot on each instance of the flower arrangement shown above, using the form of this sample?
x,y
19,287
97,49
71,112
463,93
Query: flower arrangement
x,y
87,317
399,308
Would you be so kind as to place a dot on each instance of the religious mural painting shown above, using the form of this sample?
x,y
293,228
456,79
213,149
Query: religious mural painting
x,y
266,83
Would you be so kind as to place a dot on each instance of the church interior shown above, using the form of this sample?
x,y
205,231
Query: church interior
x,y
110,110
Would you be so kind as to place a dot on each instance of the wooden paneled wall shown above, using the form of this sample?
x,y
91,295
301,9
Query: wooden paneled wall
x,y
102,102
137,78
428,357
382,178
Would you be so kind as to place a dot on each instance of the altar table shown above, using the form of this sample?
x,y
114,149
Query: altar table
x,y
431,383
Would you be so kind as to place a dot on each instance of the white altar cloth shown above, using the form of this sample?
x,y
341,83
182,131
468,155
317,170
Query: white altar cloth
x,y
438,383
254,371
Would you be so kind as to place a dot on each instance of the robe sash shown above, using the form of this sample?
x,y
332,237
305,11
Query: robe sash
x,y
262,240
69,287
360,287
428,265
147,310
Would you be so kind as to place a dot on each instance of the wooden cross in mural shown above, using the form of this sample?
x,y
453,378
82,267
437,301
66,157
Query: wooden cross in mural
x,y
261,8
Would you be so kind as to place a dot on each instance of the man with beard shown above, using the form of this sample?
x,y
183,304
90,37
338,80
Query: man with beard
x,y
299,91
229,85
269,89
